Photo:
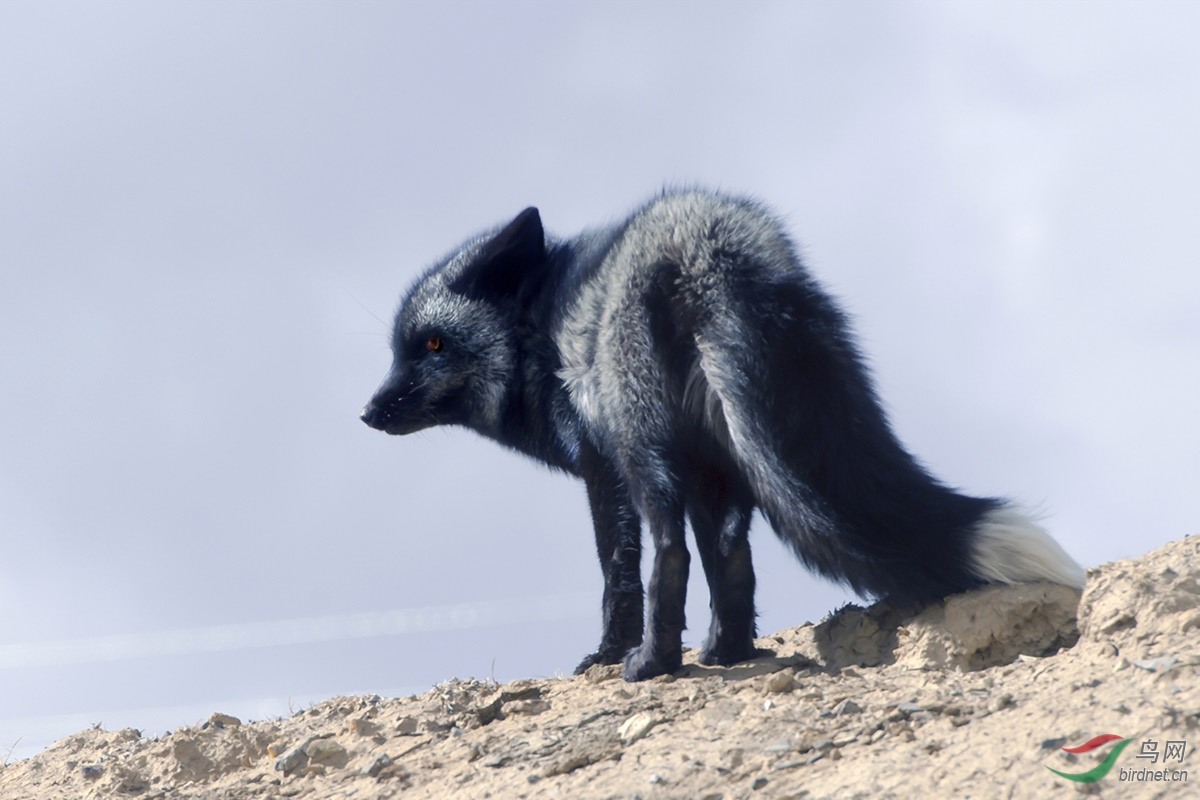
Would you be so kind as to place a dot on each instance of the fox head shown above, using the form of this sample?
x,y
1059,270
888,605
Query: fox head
x,y
454,343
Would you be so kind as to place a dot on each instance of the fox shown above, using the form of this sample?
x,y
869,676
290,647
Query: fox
x,y
688,368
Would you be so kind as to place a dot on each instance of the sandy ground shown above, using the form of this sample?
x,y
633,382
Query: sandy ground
x,y
972,698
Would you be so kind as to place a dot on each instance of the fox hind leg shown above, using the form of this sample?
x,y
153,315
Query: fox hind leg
x,y
720,523
661,649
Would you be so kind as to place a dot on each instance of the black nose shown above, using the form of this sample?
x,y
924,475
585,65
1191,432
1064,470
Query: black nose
x,y
370,415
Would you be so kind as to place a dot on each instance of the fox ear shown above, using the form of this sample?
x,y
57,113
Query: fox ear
x,y
508,261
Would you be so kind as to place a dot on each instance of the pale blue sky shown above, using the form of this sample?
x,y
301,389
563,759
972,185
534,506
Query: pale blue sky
x,y
208,212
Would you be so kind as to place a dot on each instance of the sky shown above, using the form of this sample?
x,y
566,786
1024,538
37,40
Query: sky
x,y
208,212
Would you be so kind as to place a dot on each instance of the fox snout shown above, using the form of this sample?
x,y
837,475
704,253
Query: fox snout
x,y
373,415
391,408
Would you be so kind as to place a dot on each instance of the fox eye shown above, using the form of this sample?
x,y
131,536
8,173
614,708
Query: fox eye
x,y
434,343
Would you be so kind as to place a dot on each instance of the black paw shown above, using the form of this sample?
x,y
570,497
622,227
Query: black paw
x,y
725,653
605,655
643,663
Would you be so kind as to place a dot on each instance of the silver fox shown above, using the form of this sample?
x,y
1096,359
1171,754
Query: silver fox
x,y
684,364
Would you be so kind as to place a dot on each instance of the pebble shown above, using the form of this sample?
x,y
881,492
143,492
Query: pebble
x,y
377,765
780,682
293,759
320,750
529,707
219,720
1000,701
847,707
636,727
1156,664
363,727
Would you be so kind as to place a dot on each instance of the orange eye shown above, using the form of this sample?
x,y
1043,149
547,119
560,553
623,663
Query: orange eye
x,y
434,343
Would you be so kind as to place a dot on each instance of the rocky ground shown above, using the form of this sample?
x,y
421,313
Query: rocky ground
x,y
972,698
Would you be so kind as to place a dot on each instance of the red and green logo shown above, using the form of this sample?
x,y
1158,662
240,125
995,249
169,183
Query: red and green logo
x,y
1100,770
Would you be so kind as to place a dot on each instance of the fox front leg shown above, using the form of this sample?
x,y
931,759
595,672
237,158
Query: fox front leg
x,y
619,547
661,649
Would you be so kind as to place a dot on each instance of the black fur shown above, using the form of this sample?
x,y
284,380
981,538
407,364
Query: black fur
x,y
684,363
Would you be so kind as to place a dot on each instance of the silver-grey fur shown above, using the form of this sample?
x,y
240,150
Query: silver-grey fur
x,y
685,364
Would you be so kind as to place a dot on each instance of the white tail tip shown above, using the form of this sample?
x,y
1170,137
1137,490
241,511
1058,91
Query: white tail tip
x,y
1011,548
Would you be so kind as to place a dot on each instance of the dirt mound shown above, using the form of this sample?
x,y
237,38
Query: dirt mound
x,y
973,697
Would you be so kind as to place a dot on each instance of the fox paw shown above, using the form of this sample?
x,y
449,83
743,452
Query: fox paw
x,y
725,652
643,663
605,655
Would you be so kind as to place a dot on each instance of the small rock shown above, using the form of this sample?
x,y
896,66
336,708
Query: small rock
x,y
1122,619
219,720
377,765
529,707
1053,744
877,735
491,712
1000,701
599,673
636,727
524,689
323,750
1120,708
780,682
908,709
822,745
779,746
363,727
407,726
92,771
293,759
1122,663
1157,664
759,783
814,757
845,739
846,708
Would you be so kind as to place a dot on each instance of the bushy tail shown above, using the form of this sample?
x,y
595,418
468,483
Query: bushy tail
x,y
1010,547
922,540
